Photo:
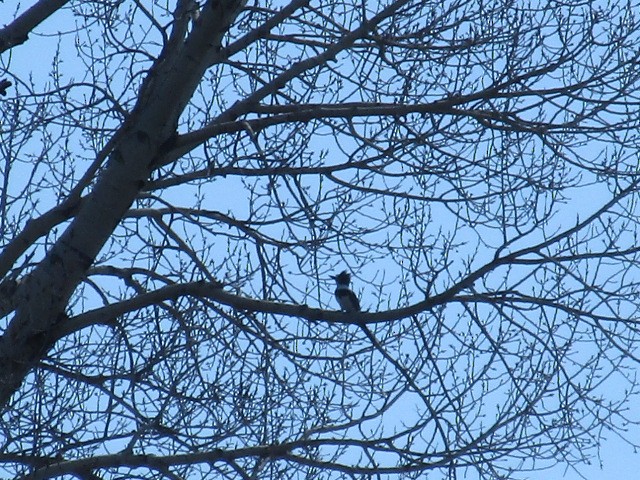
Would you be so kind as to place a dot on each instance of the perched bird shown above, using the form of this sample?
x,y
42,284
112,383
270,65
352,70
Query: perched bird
x,y
4,84
344,295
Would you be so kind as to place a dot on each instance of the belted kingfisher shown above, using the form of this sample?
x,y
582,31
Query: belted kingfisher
x,y
344,295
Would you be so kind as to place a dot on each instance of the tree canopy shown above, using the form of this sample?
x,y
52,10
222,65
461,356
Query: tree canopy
x,y
181,179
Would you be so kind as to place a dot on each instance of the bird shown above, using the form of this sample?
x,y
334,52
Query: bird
x,y
344,295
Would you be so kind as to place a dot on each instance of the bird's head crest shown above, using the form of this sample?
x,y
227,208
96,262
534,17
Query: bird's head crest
x,y
342,278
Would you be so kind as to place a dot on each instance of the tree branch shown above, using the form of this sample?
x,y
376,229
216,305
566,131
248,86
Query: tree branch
x,y
17,32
